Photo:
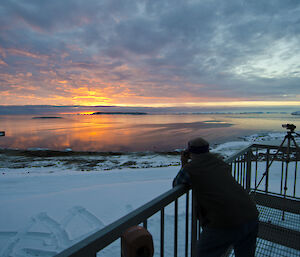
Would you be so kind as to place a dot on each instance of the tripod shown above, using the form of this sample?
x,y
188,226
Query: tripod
x,y
290,138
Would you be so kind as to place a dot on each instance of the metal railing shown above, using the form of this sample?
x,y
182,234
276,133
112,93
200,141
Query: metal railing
x,y
99,240
254,159
257,165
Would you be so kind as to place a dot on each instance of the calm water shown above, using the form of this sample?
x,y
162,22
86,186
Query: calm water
x,y
133,132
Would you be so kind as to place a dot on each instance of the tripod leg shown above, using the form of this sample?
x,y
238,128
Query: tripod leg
x,y
297,147
268,166
290,138
279,148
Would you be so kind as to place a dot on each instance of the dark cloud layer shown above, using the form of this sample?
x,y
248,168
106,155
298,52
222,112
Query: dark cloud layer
x,y
158,49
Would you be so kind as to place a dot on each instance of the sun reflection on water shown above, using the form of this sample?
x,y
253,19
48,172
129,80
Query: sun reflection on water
x,y
132,132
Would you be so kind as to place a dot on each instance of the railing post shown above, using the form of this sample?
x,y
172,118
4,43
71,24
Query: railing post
x,y
187,224
176,228
248,170
267,171
162,232
295,176
194,225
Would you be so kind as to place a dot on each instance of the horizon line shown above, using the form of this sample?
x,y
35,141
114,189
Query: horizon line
x,y
171,105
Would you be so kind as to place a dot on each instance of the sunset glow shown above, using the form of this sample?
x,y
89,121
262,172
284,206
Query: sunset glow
x,y
139,54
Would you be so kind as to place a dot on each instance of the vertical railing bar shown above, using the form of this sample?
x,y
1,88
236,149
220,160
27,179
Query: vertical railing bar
x,y
238,172
199,229
267,171
187,224
162,231
234,169
286,176
193,225
249,170
295,180
256,166
281,180
176,228
244,171
287,161
145,224
241,170
238,169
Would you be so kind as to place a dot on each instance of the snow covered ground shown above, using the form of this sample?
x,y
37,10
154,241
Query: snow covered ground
x,y
49,203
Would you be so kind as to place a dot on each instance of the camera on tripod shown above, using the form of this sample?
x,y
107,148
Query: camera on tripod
x,y
291,127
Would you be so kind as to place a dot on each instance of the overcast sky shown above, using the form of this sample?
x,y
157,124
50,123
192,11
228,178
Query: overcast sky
x,y
155,52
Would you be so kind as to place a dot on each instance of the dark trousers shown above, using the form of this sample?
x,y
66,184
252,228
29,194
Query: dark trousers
x,y
215,242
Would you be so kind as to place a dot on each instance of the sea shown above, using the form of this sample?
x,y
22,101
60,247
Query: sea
x,y
134,129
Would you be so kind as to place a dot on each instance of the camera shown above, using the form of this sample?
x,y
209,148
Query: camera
x,y
289,126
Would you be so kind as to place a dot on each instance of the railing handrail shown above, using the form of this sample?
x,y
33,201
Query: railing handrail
x,y
263,146
239,153
269,146
288,197
102,238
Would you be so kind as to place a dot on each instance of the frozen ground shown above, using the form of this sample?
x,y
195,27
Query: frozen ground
x,y
50,201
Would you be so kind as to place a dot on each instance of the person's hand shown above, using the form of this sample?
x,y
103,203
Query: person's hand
x,y
184,158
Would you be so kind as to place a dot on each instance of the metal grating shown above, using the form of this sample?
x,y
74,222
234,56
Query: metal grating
x,y
285,231
279,218
279,235
277,202
267,248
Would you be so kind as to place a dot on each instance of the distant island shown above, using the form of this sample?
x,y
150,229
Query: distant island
x,y
47,117
296,113
120,113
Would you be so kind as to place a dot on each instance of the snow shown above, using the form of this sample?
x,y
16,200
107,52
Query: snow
x,y
48,204
57,200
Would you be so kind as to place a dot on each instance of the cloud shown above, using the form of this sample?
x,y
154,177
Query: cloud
x,y
147,51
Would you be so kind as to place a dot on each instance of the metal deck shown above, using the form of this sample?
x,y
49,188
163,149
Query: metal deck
x,y
279,228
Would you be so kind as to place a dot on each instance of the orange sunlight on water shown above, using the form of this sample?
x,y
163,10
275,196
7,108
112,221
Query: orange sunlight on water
x,y
133,132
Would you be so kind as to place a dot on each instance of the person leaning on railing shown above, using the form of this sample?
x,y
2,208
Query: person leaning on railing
x,y
227,214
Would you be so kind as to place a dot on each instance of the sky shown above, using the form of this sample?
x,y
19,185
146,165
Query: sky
x,y
150,52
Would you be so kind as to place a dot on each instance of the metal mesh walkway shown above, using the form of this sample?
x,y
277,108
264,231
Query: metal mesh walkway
x,y
279,229
269,249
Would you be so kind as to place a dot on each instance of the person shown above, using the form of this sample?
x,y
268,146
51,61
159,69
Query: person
x,y
227,214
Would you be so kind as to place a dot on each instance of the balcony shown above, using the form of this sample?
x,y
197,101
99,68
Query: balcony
x,y
268,173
